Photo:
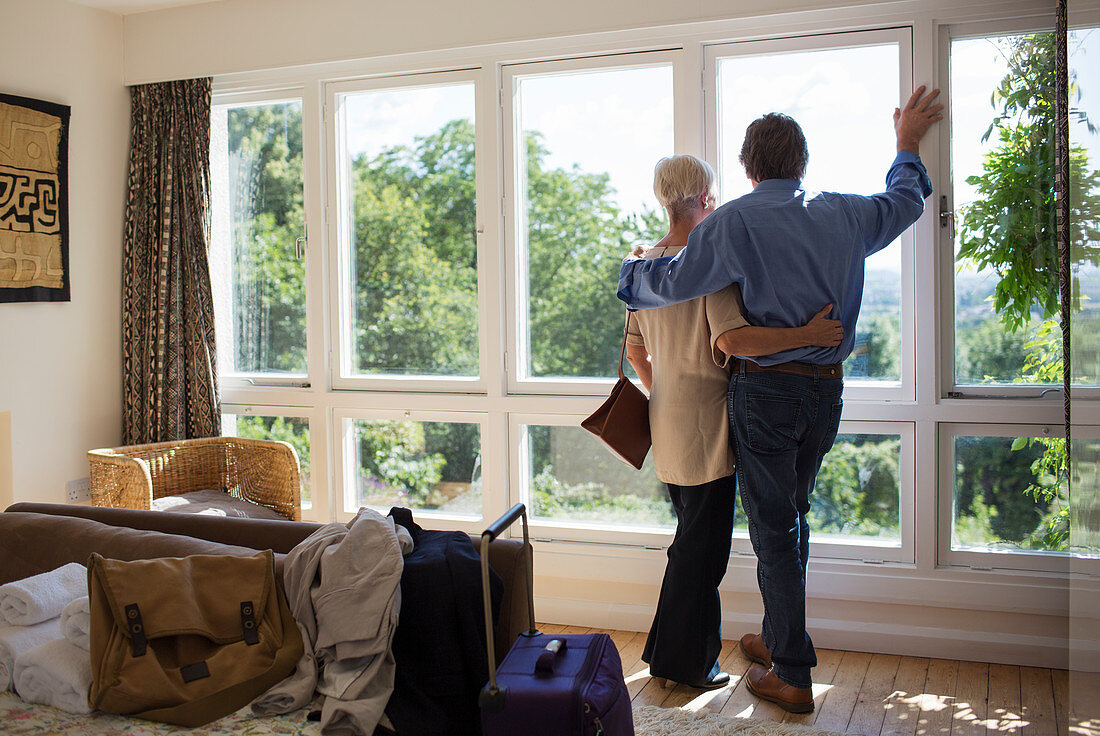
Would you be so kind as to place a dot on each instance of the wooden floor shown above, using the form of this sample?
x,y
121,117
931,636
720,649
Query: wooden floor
x,y
878,694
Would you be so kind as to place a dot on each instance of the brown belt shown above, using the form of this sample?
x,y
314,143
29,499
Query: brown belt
x,y
795,369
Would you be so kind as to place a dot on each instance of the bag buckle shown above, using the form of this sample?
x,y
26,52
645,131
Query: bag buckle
x,y
248,623
136,629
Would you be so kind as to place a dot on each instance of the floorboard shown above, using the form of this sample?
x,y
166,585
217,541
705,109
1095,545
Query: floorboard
x,y
876,694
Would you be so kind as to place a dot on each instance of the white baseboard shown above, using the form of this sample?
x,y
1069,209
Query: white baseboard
x,y
877,638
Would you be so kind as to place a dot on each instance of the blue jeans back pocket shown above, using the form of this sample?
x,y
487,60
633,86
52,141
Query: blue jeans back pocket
x,y
771,422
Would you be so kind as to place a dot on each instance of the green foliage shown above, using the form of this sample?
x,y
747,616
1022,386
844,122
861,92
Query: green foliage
x,y
265,144
576,239
393,461
992,477
989,352
1010,227
857,489
415,255
877,350
554,499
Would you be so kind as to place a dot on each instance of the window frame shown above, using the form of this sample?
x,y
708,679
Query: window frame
x,y
513,169
248,379
342,353
854,388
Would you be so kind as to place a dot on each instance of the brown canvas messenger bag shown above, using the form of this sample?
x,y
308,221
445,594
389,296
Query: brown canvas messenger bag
x,y
187,640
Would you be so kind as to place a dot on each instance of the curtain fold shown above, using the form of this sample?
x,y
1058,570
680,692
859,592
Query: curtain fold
x,y
168,349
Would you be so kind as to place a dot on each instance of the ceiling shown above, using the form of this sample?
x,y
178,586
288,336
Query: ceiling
x,y
128,7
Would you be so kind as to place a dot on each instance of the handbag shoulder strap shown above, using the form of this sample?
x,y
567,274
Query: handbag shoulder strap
x,y
622,352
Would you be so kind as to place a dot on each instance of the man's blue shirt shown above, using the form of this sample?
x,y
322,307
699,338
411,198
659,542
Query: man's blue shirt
x,y
791,251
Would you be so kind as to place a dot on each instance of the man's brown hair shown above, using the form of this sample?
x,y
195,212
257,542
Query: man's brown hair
x,y
774,148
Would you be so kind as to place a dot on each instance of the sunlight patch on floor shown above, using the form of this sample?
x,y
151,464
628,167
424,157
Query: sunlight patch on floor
x,y
700,701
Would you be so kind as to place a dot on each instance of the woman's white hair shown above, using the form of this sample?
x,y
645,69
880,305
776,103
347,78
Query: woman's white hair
x,y
679,181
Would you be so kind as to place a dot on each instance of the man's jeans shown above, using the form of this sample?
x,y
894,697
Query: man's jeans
x,y
781,426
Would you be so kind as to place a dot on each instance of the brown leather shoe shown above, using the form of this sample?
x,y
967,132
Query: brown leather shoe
x,y
765,685
753,647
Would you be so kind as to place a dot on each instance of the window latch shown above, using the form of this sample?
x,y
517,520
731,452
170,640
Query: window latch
x,y
299,247
947,217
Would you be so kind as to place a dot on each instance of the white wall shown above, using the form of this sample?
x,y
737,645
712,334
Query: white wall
x,y
247,35
60,362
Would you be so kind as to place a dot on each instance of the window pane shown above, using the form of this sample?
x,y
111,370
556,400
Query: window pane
x,y
418,465
258,278
572,477
1002,169
412,231
806,85
294,430
588,142
858,492
1010,493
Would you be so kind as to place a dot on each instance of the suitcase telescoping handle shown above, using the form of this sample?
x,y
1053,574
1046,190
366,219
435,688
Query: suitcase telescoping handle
x,y
491,698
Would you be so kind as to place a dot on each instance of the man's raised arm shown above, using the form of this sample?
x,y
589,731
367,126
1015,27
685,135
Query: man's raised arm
x,y
697,270
907,183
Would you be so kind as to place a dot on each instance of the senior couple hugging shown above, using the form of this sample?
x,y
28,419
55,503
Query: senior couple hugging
x,y
741,317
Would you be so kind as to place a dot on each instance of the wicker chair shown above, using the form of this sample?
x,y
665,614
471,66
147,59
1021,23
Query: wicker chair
x,y
264,472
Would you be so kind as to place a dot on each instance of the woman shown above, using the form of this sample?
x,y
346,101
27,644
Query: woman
x,y
675,352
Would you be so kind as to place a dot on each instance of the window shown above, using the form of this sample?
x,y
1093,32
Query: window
x,y
585,138
1007,313
427,465
408,222
462,317
257,249
850,147
570,477
1008,495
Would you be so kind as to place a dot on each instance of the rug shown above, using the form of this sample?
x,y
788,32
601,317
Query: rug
x,y
23,719
653,720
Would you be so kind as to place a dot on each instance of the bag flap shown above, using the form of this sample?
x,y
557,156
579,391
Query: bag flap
x,y
199,594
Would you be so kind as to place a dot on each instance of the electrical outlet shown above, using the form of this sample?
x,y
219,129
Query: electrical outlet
x,y
79,490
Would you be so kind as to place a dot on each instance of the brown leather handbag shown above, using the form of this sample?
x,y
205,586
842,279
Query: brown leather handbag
x,y
187,640
622,422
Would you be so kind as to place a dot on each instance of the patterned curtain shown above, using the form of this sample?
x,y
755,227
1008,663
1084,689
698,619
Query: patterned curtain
x,y
170,389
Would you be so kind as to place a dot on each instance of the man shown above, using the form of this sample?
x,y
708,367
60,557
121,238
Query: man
x,y
790,251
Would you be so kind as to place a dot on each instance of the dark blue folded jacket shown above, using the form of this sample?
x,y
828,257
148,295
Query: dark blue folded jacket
x,y
439,645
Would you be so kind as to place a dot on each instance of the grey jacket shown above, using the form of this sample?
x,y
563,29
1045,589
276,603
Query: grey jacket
x,y
343,586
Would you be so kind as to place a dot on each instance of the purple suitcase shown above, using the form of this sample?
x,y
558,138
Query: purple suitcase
x,y
550,684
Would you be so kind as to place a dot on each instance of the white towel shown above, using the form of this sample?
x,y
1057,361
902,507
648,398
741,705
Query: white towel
x,y
41,597
75,620
14,640
58,673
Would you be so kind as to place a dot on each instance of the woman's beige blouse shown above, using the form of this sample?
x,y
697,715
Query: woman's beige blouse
x,y
687,406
